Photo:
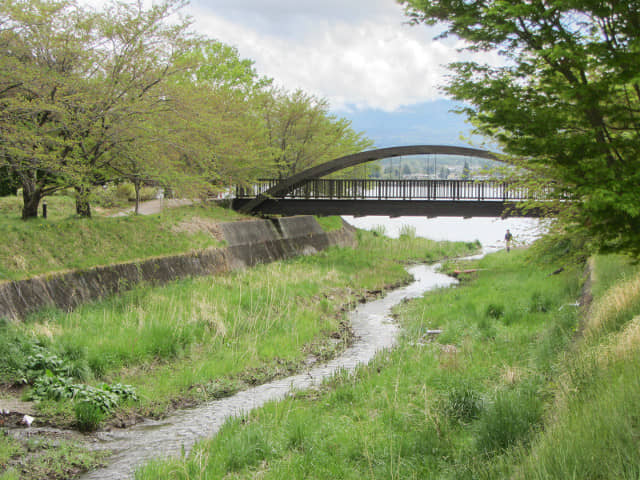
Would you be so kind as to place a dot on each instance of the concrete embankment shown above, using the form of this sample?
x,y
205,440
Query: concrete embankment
x,y
248,243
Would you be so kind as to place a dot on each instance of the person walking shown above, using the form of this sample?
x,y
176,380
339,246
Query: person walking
x,y
507,239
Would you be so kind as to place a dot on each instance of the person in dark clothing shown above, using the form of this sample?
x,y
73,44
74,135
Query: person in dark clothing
x,y
507,239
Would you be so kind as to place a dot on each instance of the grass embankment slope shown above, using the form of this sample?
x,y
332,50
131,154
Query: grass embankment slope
x,y
521,384
64,241
196,339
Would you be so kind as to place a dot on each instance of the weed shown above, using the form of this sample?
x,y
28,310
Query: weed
x,y
379,230
509,418
539,303
88,416
408,231
495,311
462,403
9,448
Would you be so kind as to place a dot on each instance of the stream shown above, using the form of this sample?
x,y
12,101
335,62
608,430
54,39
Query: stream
x,y
374,330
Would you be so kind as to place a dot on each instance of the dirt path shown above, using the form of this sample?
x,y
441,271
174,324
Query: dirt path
x,y
156,206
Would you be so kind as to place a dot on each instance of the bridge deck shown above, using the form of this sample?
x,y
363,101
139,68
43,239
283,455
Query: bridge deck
x,y
391,208
430,198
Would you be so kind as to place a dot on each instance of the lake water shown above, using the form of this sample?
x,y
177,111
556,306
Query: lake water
x,y
489,231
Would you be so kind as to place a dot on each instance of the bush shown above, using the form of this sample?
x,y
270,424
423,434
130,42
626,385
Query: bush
x,y
125,191
107,197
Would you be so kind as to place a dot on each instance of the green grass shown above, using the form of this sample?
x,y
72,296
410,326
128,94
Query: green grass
x,y
330,224
63,241
34,459
429,409
202,338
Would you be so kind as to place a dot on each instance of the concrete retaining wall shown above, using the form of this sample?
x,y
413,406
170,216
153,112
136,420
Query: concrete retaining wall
x,y
249,243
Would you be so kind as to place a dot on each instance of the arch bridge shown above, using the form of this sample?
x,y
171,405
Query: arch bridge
x,y
307,193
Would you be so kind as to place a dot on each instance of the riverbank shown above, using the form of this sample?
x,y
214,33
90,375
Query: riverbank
x,y
522,382
64,242
200,339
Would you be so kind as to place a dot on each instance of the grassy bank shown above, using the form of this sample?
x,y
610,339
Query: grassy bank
x,y
64,241
204,338
518,385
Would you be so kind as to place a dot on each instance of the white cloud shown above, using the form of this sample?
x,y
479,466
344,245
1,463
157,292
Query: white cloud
x,y
357,54
377,62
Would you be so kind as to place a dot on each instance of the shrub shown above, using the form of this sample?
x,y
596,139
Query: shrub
x,y
125,191
107,196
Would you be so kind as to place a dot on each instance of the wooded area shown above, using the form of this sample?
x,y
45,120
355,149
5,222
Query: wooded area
x,y
90,98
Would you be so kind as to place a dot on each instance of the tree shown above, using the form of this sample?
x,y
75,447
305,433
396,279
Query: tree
x,y
76,85
221,111
301,132
565,105
41,44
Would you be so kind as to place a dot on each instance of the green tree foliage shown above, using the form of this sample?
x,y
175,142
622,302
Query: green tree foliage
x,y
131,93
220,112
76,85
301,132
565,104
43,46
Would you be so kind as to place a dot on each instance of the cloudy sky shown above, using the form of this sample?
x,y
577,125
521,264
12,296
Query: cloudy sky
x,y
361,55
356,53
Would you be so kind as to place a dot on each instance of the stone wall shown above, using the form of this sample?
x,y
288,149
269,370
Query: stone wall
x,y
249,243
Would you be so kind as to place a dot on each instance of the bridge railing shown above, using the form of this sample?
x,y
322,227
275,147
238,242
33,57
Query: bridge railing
x,y
373,189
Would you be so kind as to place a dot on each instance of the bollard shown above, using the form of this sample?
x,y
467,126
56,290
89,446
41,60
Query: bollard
x,y
44,209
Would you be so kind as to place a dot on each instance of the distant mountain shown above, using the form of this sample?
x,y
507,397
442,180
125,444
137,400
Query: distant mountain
x,y
420,124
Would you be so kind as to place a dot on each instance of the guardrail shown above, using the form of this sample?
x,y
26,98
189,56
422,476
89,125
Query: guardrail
x,y
372,189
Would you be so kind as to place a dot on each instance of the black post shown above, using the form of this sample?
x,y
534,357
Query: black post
x,y
44,209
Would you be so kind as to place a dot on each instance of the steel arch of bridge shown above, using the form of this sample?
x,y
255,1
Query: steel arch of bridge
x,y
291,183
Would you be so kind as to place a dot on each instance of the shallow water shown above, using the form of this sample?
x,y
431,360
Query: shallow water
x,y
374,330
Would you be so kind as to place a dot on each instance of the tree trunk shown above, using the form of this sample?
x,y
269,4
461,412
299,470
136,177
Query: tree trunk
x,y
31,196
136,186
83,207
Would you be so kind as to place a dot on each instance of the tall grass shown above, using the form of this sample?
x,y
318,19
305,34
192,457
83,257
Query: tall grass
x,y
202,338
449,407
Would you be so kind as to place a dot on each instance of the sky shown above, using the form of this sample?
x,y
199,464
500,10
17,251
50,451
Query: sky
x,y
361,55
